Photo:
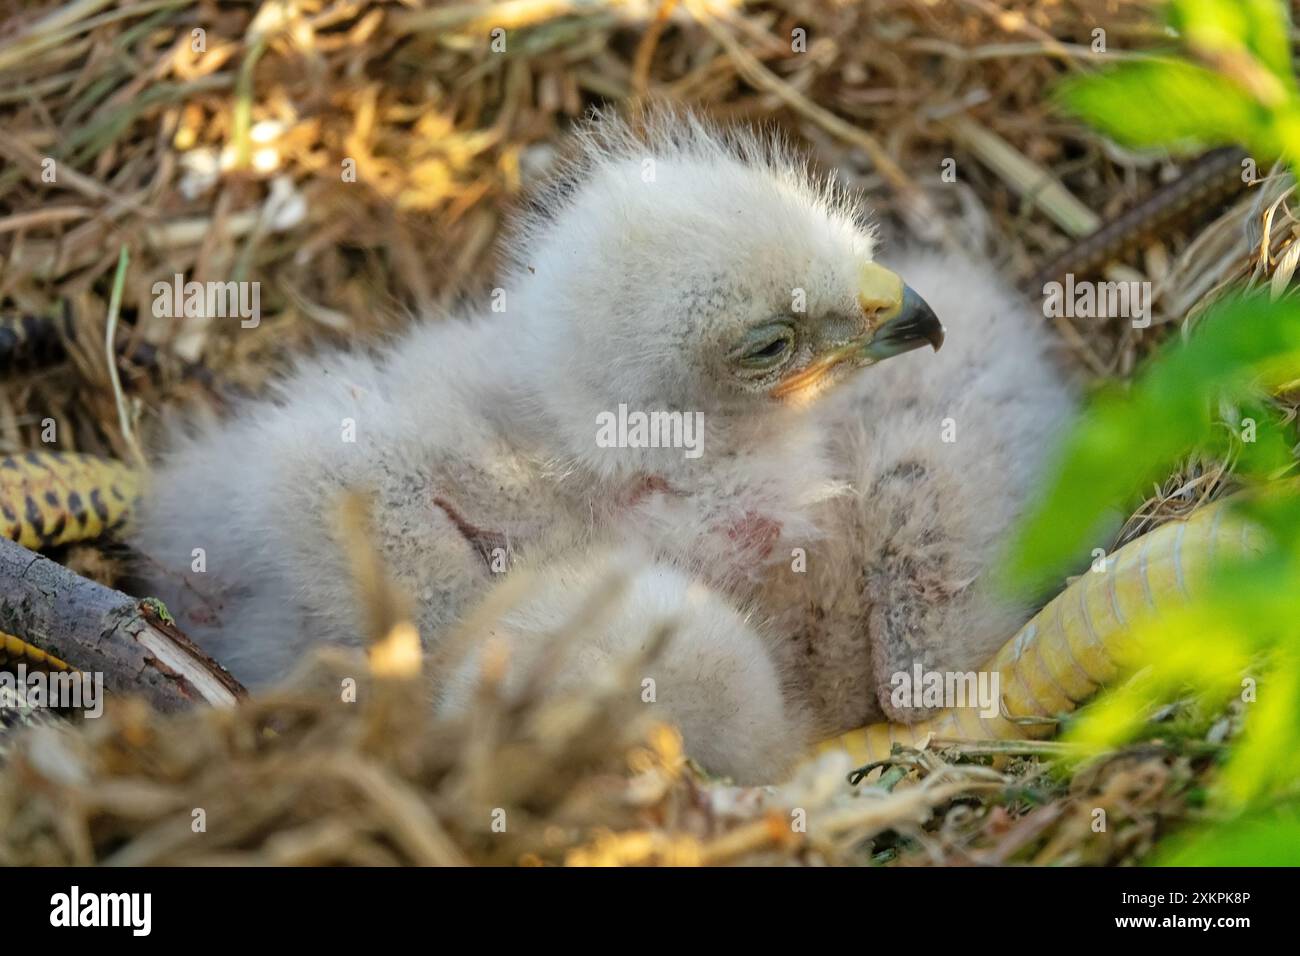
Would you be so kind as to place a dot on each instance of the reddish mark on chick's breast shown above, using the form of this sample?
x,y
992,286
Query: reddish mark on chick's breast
x,y
755,534
482,540
649,485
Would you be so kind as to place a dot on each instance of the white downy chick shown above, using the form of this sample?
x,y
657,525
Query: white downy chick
x,y
674,270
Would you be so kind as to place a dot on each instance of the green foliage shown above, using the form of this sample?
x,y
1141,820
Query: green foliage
x,y
1234,85
1258,29
1187,96
1267,838
1240,635
1129,438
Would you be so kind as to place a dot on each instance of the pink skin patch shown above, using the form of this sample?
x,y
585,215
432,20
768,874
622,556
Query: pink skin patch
x,y
755,535
650,485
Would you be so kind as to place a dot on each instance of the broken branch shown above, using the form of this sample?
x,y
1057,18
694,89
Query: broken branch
x,y
98,629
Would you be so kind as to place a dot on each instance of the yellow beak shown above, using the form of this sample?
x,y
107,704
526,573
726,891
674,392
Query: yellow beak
x,y
880,291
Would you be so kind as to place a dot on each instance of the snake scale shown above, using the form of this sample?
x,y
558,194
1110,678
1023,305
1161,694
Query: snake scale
x,y
49,499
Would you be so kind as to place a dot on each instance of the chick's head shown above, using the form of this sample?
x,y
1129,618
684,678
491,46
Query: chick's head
x,y
680,268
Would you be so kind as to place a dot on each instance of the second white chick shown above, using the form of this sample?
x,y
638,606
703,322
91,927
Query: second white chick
x,y
588,622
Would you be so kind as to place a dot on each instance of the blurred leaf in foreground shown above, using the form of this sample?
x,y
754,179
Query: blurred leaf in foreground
x,y
1245,345
1266,838
1234,85
1238,638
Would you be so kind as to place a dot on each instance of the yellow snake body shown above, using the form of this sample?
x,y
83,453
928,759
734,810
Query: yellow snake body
x,y
49,499
1054,663
53,498
15,651
1068,649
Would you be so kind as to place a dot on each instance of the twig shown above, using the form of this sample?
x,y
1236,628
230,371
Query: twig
x,y
1026,177
110,348
1040,748
645,50
508,15
96,629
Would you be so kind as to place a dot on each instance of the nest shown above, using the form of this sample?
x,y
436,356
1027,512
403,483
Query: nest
x,y
357,159
348,767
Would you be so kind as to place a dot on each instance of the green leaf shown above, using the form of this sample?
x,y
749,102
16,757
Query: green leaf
x,y
1266,838
1125,441
1170,103
1265,759
1261,28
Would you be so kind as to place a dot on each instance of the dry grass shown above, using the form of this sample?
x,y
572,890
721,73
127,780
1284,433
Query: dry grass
x,y
309,776
228,162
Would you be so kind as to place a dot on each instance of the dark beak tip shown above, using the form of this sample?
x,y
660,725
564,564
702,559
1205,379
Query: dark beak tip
x,y
922,322
913,326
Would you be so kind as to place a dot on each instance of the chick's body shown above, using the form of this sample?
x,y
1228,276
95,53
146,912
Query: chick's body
x,y
679,271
